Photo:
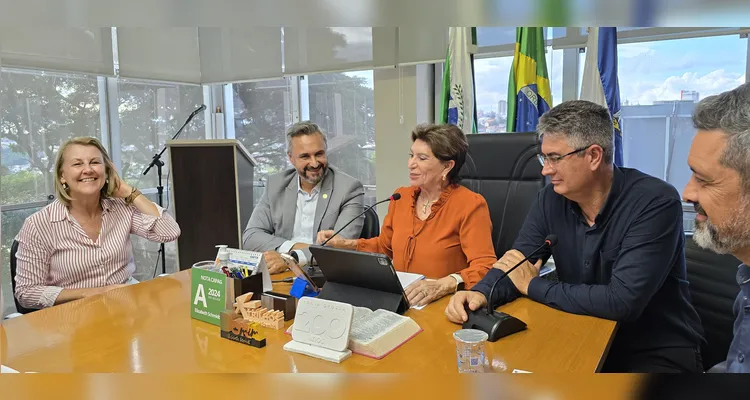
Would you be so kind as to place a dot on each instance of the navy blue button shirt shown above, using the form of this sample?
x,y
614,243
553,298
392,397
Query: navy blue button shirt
x,y
740,347
628,267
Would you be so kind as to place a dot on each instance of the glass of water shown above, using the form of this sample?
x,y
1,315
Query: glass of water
x,y
470,350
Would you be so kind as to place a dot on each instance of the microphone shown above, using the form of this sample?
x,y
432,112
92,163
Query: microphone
x,y
194,113
313,271
498,324
156,160
550,241
393,197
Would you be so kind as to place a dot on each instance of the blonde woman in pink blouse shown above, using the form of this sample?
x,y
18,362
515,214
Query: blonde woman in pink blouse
x,y
79,245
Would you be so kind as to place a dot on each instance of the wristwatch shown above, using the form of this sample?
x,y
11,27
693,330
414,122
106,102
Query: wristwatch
x,y
459,281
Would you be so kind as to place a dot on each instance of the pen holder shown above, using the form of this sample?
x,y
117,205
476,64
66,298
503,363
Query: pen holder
x,y
236,287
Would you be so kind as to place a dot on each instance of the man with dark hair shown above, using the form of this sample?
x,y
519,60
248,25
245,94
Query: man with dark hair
x,y
720,190
620,253
297,203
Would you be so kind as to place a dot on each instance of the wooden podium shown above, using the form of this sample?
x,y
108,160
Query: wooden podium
x,y
212,194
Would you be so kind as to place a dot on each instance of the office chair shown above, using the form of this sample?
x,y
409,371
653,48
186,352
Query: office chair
x,y
713,289
371,228
504,168
13,251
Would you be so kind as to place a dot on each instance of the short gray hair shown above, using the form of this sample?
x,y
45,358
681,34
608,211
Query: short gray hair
x,y
582,123
729,112
300,129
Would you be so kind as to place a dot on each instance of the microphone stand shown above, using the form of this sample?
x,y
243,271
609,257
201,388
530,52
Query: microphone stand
x,y
156,161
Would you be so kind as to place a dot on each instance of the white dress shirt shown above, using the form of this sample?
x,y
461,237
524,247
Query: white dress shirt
x,y
304,221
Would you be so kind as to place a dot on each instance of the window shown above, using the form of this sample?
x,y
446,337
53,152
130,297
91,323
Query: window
x,y
149,115
491,76
39,112
342,105
262,113
660,84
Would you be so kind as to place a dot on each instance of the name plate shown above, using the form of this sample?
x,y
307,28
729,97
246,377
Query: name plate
x,y
323,323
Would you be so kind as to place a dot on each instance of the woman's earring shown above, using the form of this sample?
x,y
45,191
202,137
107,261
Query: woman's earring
x,y
443,177
65,186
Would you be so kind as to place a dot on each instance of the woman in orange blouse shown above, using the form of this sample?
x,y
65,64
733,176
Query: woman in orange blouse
x,y
439,228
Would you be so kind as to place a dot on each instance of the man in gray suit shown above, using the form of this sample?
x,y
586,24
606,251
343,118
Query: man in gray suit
x,y
301,201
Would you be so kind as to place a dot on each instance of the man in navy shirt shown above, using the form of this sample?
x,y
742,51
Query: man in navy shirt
x,y
720,190
620,253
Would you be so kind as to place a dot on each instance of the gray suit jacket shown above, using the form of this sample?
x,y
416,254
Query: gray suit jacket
x,y
272,222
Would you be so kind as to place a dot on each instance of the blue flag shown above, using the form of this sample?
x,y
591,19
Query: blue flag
x,y
600,84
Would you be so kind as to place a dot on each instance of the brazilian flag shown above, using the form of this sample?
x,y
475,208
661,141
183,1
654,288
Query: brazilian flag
x,y
529,94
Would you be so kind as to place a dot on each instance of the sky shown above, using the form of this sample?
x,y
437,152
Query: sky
x,y
648,71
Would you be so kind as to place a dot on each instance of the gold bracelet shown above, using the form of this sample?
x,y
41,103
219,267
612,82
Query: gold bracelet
x,y
132,196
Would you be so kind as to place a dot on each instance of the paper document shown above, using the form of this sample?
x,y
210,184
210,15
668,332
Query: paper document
x,y
548,267
406,279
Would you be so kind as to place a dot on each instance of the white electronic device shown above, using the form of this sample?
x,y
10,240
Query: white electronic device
x,y
323,323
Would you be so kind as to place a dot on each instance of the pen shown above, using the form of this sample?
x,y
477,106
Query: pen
x,y
238,274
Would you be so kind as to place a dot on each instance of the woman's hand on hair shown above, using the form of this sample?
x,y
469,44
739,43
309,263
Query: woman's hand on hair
x,y
122,189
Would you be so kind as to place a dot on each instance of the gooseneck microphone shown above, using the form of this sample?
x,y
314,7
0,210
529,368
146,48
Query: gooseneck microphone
x,y
549,241
498,324
393,197
313,271
198,110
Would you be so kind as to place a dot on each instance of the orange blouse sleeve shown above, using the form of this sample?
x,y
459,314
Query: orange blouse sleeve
x,y
381,244
475,233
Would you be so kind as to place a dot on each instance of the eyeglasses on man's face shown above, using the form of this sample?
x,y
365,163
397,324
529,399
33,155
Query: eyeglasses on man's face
x,y
554,158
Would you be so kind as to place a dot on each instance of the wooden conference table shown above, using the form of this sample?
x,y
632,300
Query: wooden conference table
x,y
147,328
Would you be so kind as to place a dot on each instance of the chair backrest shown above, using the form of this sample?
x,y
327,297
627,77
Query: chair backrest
x,y
13,251
713,289
371,228
504,168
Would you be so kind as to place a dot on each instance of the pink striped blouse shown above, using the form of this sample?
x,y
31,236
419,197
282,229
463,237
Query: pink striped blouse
x,y
54,252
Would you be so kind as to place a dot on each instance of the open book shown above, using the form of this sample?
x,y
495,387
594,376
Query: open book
x,y
376,334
